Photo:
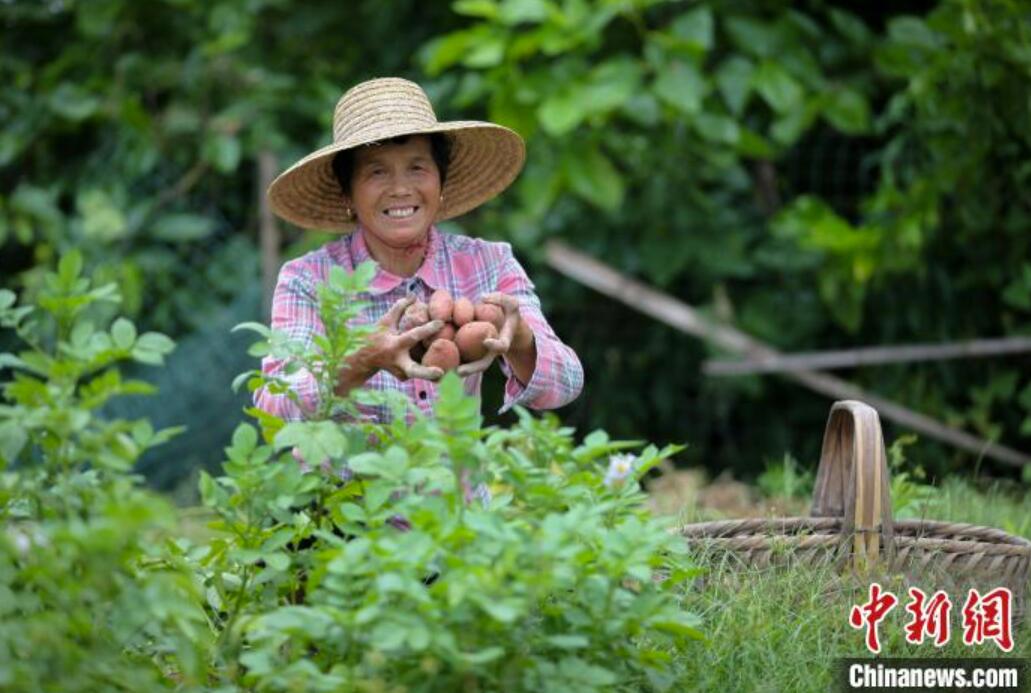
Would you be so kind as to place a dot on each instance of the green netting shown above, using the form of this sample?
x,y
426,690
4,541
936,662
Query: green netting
x,y
194,391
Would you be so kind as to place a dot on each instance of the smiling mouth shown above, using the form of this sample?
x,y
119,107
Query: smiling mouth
x,y
400,212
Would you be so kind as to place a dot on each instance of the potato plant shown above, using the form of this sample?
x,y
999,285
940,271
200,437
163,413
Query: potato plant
x,y
89,599
426,554
379,567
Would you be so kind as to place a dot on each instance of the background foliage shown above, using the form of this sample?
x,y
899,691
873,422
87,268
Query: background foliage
x,y
820,178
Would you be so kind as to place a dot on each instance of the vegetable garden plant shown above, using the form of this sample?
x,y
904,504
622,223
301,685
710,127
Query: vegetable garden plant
x,y
374,568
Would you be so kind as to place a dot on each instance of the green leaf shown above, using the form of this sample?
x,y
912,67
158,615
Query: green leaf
x,y
682,86
562,112
753,36
486,53
485,9
717,128
483,656
443,52
568,642
912,31
182,228
72,102
734,81
155,341
515,12
102,218
594,178
848,111
387,636
277,561
123,333
316,440
258,327
222,151
13,438
851,27
777,87
502,610
69,267
245,438
696,27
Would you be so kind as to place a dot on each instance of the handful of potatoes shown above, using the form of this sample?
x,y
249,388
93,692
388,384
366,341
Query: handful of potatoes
x,y
466,326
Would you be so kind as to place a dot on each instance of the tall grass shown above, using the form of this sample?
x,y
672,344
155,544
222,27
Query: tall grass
x,y
783,629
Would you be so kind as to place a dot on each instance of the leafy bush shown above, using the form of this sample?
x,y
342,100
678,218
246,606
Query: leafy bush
x,y
87,600
434,553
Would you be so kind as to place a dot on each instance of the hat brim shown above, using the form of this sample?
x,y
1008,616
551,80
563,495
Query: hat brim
x,y
485,159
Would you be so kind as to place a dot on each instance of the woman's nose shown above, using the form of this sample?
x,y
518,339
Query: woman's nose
x,y
399,185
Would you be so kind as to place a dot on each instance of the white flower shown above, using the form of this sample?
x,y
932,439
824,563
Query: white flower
x,y
620,468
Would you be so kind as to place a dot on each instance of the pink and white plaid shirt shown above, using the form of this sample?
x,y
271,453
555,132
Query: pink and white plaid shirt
x,y
465,266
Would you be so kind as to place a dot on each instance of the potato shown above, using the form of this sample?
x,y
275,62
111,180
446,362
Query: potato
x,y
446,332
463,312
443,354
441,305
469,339
415,315
488,312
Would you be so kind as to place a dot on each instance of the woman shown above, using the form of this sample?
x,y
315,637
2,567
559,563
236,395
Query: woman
x,y
392,171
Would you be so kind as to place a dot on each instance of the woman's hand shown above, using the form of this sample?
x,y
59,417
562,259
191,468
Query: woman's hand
x,y
515,341
388,349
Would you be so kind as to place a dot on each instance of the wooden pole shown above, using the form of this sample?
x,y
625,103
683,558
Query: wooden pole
x,y
868,356
268,231
678,314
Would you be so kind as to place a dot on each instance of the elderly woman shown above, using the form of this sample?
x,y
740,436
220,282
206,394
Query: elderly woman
x,y
392,171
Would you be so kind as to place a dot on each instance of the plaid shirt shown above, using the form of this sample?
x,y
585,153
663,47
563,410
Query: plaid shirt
x,y
465,266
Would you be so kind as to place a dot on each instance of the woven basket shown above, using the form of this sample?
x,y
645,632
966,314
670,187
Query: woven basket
x,y
851,525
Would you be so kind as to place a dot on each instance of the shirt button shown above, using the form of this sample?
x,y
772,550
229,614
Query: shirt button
x,y
422,394
411,284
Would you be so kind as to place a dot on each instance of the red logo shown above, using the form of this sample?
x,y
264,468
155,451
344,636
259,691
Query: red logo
x,y
930,617
988,617
870,614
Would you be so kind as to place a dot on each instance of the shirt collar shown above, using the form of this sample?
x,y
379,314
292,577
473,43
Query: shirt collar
x,y
431,271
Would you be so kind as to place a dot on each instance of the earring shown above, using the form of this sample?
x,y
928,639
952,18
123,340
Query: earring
x,y
348,213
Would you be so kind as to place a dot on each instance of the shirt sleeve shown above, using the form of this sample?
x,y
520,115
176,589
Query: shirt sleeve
x,y
295,313
558,376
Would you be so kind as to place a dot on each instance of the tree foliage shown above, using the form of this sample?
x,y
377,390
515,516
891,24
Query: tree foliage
x,y
818,177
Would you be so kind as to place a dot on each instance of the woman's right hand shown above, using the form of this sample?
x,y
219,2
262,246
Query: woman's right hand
x,y
388,349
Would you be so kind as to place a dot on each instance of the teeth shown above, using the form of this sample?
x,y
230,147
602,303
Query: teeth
x,y
400,212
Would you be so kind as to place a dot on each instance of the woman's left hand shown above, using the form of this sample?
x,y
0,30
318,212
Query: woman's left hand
x,y
513,329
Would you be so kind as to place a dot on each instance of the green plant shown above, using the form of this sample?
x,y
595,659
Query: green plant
x,y
88,600
909,496
786,479
385,563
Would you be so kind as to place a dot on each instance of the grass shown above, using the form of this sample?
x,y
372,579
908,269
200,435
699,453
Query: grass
x,y
783,629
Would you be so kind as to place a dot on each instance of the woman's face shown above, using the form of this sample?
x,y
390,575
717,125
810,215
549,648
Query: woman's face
x,y
395,191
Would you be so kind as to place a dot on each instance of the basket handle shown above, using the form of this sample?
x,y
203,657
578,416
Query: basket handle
x,y
853,481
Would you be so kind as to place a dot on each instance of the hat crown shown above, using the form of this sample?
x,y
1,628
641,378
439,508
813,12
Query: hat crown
x,y
380,109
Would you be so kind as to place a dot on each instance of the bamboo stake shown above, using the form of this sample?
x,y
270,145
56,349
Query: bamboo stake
x,y
603,278
868,356
268,231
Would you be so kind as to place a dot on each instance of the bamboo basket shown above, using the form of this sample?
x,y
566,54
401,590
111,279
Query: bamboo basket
x,y
851,525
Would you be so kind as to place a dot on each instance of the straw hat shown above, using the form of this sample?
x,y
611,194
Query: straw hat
x,y
485,158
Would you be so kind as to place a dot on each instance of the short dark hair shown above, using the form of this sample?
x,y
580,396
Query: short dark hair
x,y
440,147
